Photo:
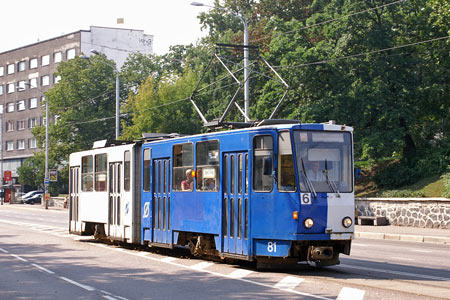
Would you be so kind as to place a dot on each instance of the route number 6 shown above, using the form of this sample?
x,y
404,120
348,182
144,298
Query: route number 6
x,y
271,247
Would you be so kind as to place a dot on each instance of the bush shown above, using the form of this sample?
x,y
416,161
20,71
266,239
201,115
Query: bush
x,y
446,178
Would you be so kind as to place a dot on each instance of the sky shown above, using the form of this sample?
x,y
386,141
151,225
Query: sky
x,y
171,22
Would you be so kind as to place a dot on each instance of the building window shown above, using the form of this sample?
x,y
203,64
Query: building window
x,y
70,53
2,71
20,144
32,122
9,145
45,60
33,63
32,143
56,78
21,66
21,86
33,83
45,80
9,126
10,107
57,57
10,88
183,161
21,105
21,125
1,89
87,179
11,68
33,103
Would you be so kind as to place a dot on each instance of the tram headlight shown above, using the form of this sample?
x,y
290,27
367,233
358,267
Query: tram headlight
x,y
347,222
308,223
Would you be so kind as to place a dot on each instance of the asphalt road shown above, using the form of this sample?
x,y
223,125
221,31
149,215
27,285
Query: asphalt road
x,y
40,260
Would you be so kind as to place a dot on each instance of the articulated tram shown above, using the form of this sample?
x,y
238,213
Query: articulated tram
x,y
279,192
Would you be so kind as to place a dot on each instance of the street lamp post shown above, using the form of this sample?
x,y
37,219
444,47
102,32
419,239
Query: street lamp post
x,y
117,92
47,178
246,56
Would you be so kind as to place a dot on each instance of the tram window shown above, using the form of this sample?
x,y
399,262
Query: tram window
x,y
127,171
207,166
286,171
262,163
183,163
146,170
100,172
87,179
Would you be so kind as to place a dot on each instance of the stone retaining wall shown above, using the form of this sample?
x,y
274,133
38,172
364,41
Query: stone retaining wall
x,y
415,212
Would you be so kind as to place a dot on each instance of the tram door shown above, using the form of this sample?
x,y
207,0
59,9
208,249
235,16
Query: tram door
x,y
74,186
161,201
235,204
114,220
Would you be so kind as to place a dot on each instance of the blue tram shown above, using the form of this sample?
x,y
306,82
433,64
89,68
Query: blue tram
x,y
275,193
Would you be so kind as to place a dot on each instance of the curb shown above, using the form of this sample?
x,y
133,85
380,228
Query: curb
x,y
403,237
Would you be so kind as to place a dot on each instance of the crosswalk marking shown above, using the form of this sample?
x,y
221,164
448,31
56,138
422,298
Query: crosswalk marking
x,y
241,273
289,283
202,265
351,294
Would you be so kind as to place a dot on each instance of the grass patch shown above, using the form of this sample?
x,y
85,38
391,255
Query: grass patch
x,y
428,187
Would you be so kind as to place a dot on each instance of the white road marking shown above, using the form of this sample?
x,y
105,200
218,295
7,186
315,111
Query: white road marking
x,y
241,273
289,283
402,258
108,297
221,275
360,245
168,259
3,250
430,277
351,294
202,265
19,258
86,287
43,269
420,250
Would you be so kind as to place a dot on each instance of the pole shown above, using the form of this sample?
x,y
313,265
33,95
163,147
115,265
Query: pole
x,y
47,179
246,79
117,105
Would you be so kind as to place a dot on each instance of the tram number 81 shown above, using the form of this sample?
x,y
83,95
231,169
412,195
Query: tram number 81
x,y
272,247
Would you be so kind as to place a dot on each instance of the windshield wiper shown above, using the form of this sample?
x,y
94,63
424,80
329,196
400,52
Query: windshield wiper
x,y
331,184
307,180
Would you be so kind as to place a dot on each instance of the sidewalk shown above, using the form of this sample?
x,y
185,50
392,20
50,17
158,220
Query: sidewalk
x,y
403,233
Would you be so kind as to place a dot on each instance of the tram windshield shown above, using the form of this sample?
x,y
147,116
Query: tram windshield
x,y
324,161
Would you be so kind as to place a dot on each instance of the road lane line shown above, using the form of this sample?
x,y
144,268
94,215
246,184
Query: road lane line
x,y
109,297
351,294
86,287
220,275
4,251
421,251
241,273
43,269
289,283
430,277
402,258
19,258
202,265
